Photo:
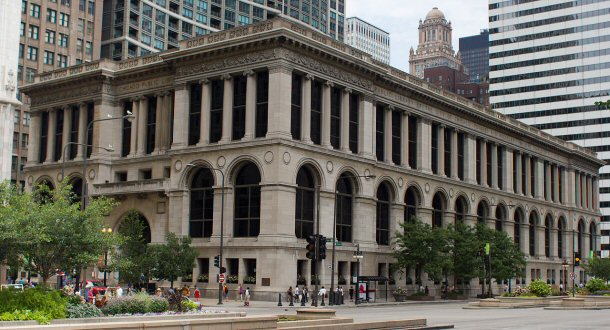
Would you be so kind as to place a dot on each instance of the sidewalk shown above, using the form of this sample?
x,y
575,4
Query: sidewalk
x,y
213,303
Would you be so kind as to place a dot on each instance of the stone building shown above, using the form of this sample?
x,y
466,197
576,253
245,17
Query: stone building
x,y
281,112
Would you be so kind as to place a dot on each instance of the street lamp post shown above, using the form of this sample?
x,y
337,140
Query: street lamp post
x,y
573,263
222,212
129,117
106,230
331,300
564,264
357,256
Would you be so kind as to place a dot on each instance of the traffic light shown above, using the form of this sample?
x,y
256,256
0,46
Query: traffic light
x,y
217,261
311,247
576,259
322,247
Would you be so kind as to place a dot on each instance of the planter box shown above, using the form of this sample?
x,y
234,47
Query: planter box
x,y
528,301
420,298
399,297
458,297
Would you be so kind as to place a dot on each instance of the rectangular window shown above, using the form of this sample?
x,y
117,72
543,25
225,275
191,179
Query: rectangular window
x,y
62,61
533,175
29,74
396,137
24,6
88,48
524,178
354,114
22,30
553,176
63,40
479,169
74,116
126,138
51,15
460,155
316,112
413,142
560,183
21,50
295,110
90,116
262,103
448,151
49,37
64,19
239,107
515,177
44,131
49,57
195,114
32,53
434,148
488,164
335,117
380,133
59,129
151,124
545,180
33,32
216,111
26,119
500,167
35,10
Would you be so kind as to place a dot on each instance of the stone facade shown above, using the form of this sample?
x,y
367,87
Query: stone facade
x,y
261,104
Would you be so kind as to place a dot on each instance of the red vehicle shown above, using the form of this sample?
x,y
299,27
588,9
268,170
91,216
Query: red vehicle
x,y
97,286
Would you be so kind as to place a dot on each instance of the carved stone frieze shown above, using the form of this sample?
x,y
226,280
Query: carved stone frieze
x,y
226,63
65,94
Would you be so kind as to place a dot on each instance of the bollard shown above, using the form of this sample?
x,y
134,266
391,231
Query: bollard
x,y
303,301
279,299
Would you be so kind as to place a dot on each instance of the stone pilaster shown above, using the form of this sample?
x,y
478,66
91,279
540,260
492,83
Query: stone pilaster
x,y
507,166
454,154
326,104
51,136
280,91
528,173
519,169
182,100
135,110
158,122
227,109
206,105
440,142
345,119
483,154
250,104
66,134
34,145
366,127
470,159
306,109
539,179
423,146
142,121
387,128
494,165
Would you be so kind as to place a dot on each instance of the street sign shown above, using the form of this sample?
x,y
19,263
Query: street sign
x,y
572,276
221,278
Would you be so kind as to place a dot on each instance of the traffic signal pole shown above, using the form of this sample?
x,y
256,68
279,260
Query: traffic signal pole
x,y
315,262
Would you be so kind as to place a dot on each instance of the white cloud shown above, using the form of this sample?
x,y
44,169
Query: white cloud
x,y
401,17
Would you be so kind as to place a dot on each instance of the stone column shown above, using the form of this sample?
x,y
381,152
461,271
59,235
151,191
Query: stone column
x,y
135,110
423,146
483,153
540,240
306,110
142,121
494,165
518,187
595,205
182,100
549,191
440,138
227,109
525,237
404,140
528,173
557,173
159,123
540,179
326,114
34,146
470,159
387,127
206,106
507,166
454,154
553,242
66,134
345,120
374,130
366,128
167,119
589,192
250,104
509,227
280,93
51,135
577,191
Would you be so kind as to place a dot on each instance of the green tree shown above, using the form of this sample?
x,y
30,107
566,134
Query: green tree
x,y
421,247
465,255
507,260
11,220
174,258
132,258
598,267
54,234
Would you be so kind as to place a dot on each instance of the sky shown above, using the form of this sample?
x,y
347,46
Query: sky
x,y
401,18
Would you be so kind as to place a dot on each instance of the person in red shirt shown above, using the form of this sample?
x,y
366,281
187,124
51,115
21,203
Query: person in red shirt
x,y
197,294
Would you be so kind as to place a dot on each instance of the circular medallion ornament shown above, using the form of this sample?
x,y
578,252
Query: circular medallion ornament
x,y
286,158
178,165
330,166
268,157
427,188
401,182
221,161
451,192
472,197
30,180
91,174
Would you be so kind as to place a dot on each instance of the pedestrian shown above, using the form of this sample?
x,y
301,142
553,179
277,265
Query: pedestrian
x,y
426,290
306,293
581,285
197,294
185,291
159,292
351,293
289,294
322,293
225,291
341,294
119,291
561,287
297,293
241,293
247,302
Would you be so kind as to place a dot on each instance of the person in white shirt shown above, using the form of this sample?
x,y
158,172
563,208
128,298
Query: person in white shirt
x,y
119,291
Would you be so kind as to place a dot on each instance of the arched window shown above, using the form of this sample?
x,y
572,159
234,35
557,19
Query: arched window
x,y
482,212
548,223
532,238
305,203
461,209
344,200
76,185
561,227
438,210
202,204
134,220
247,202
517,231
411,204
383,215
500,216
592,237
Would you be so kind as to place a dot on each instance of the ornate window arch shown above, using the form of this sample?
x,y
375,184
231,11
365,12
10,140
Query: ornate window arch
x,y
344,207
383,214
461,209
412,203
201,215
304,212
439,206
247,201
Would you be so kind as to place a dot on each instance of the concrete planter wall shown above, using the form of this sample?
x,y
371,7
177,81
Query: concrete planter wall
x,y
420,298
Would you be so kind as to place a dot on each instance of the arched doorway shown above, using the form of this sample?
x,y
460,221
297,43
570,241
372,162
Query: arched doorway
x,y
548,224
482,212
518,219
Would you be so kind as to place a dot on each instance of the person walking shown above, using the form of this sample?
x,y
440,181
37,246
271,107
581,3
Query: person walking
x,y
197,294
247,302
225,292
289,294
297,293
241,293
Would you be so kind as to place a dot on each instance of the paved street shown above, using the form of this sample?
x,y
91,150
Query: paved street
x,y
452,313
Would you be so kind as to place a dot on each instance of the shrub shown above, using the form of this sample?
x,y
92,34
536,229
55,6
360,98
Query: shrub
x,y
188,305
157,305
250,280
596,284
419,294
140,303
82,311
50,304
540,288
203,278
26,315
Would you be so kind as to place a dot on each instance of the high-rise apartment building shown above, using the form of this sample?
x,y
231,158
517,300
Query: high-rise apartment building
x,y
475,55
9,41
368,38
53,34
435,47
138,27
549,64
